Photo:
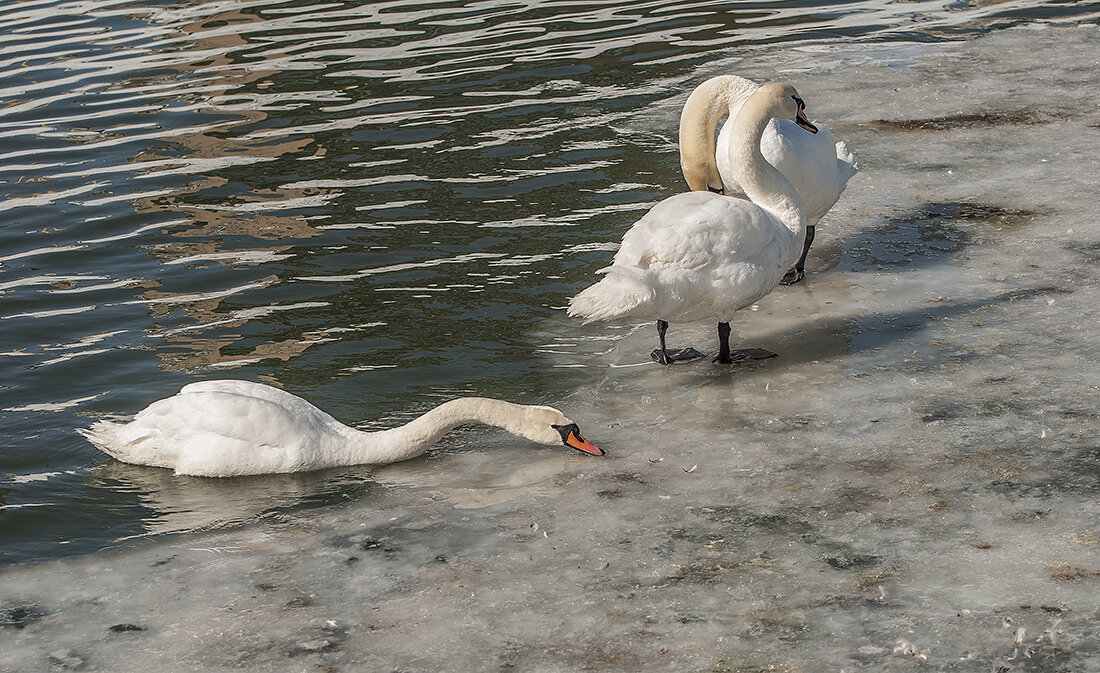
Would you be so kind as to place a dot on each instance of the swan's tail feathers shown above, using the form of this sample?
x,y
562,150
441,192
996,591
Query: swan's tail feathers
x,y
619,294
116,440
845,162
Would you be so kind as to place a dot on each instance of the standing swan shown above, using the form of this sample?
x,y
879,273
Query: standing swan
x,y
232,428
703,256
817,165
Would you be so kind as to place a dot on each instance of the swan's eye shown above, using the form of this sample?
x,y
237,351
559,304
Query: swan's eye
x,y
798,101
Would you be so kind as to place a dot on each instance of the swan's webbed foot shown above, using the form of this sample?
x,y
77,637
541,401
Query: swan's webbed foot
x,y
794,275
668,357
744,355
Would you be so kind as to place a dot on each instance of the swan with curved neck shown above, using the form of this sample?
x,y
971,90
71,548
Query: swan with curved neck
x,y
232,428
817,165
700,255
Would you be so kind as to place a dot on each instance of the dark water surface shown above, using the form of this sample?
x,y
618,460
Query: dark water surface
x,y
373,205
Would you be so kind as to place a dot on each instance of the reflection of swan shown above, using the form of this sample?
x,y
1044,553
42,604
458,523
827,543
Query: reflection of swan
x,y
184,505
230,428
817,165
701,256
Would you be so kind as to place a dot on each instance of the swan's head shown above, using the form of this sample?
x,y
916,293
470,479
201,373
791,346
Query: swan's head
x,y
787,104
547,425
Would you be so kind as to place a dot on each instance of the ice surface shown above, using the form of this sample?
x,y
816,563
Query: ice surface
x,y
912,485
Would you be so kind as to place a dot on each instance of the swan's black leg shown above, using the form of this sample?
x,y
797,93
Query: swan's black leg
x,y
723,343
661,354
799,271
728,357
664,357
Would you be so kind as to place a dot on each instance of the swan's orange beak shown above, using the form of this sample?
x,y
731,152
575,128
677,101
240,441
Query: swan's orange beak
x,y
579,443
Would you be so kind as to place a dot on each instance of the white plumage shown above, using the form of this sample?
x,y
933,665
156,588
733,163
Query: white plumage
x,y
694,256
703,256
817,165
229,428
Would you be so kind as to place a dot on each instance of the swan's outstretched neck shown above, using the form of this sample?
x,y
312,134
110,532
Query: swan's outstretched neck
x,y
417,436
763,183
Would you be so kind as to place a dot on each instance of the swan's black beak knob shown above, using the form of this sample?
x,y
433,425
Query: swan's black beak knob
x,y
801,119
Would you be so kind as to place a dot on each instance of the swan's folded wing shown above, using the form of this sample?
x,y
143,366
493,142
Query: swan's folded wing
x,y
696,233
288,404
235,416
667,247
244,388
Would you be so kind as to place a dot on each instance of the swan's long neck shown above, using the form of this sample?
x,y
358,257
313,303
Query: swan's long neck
x,y
417,436
763,183
707,104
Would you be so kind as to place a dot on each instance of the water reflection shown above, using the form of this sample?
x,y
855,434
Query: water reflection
x,y
175,504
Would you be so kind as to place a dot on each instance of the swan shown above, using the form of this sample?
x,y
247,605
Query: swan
x,y
230,428
700,255
817,165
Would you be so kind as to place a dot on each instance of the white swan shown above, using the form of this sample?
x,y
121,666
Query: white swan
x,y
700,255
231,428
817,165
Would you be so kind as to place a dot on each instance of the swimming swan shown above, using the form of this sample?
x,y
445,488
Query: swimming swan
x,y
817,165
702,256
231,428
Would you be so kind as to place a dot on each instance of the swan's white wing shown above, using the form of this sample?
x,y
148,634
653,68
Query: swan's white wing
x,y
693,256
245,397
817,165
246,389
225,414
696,231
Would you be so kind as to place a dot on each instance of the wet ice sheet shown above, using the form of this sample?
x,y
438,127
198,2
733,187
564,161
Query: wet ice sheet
x,y
912,483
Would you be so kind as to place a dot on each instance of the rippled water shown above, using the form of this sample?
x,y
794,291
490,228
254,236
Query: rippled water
x,y
373,205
